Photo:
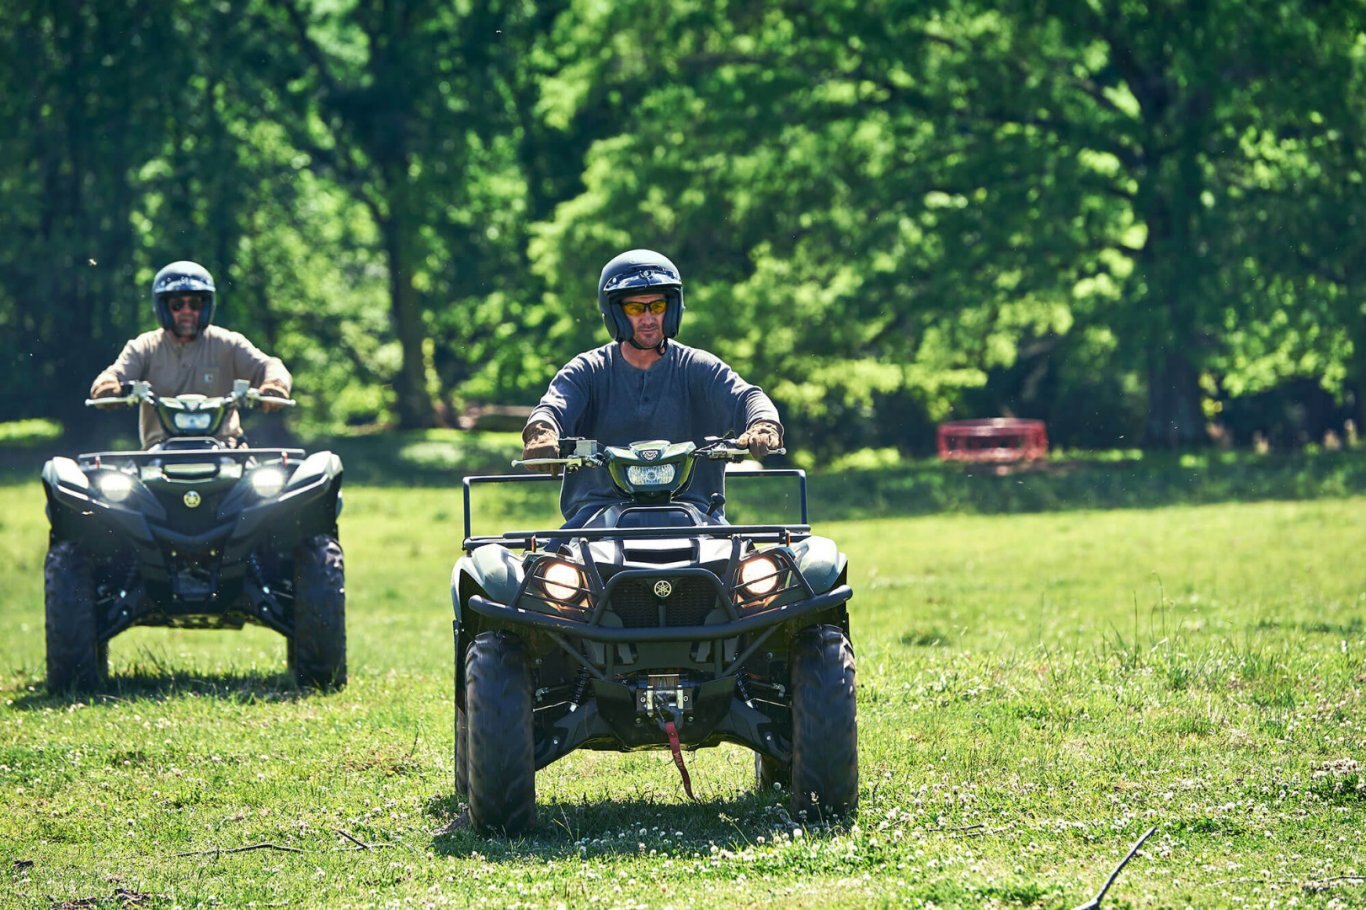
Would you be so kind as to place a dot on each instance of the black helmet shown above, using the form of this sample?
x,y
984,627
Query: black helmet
x,y
639,272
182,278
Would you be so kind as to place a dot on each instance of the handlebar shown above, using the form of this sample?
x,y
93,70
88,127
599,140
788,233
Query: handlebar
x,y
721,450
140,392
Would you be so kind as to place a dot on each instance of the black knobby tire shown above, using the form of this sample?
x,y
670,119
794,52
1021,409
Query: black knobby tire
x,y
462,753
76,658
824,725
500,748
317,650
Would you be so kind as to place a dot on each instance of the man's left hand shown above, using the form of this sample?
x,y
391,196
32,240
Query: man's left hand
x,y
274,390
761,437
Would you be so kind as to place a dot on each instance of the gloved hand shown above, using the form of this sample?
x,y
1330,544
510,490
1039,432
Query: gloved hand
x,y
107,388
761,437
541,440
275,390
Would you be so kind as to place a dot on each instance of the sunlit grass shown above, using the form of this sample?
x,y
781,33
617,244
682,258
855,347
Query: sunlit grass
x,y
1035,692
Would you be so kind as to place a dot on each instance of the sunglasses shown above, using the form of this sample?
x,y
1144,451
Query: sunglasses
x,y
179,303
636,308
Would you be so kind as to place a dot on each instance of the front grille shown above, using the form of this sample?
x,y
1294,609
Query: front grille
x,y
634,601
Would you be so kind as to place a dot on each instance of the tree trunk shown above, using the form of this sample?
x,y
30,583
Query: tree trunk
x,y
414,405
1175,418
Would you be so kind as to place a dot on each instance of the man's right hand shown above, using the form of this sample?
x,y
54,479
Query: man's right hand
x,y
107,388
541,440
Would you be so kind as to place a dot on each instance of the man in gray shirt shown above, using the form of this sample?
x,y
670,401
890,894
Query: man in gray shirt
x,y
644,385
188,355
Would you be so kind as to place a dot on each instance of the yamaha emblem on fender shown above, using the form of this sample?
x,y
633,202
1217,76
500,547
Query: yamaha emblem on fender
x,y
663,589
192,499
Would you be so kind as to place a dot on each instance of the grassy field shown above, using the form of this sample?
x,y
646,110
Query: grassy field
x,y
1035,692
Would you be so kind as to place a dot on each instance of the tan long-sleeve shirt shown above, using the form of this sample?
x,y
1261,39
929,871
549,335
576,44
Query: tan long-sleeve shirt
x,y
205,366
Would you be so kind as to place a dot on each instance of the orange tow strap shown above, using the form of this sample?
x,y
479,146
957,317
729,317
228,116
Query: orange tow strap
x,y
677,750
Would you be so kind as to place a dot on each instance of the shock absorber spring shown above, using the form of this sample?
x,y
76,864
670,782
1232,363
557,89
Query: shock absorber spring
x,y
580,689
742,688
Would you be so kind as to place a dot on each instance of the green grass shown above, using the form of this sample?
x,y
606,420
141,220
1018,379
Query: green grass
x,y
1035,691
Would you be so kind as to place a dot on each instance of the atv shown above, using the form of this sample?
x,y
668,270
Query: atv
x,y
194,533
656,625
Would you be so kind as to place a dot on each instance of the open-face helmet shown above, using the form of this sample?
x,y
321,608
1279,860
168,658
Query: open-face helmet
x,y
639,272
182,277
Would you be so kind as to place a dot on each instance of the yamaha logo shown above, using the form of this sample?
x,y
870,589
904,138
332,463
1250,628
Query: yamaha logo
x,y
192,499
663,589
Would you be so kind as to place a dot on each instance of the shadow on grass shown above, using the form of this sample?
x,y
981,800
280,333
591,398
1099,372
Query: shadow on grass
x,y
610,828
159,685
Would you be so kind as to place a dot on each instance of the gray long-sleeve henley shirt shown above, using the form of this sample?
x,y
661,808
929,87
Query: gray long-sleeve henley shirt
x,y
687,395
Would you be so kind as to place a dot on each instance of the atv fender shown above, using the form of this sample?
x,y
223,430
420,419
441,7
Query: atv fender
x,y
491,570
63,474
315,473
821,563
71,494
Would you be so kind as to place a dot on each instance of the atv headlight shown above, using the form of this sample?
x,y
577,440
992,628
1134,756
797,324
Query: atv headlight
x,y
758,576
192,421
650,474
116,486
563,582
267,481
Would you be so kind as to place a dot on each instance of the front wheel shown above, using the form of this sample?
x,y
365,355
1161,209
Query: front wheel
x,y
824,725
317,649
500,749
76,658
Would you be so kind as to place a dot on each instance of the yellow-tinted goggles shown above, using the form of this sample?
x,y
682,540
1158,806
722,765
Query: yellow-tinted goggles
x,y
637,308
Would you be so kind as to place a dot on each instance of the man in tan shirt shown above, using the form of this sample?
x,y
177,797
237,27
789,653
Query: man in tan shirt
x,y
188,355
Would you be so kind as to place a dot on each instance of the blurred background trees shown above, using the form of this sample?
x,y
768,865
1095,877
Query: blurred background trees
x,y
1136,221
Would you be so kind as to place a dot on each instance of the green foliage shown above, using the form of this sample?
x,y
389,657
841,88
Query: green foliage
x,y
1121,218
26,433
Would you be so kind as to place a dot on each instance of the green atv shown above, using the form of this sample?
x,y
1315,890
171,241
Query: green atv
x,y
656,625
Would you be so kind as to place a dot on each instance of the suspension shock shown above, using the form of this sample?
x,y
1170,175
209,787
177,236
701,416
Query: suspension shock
x,y
580,689
742,688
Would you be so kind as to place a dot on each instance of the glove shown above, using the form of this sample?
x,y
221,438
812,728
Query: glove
x,y
762,437
275,390
107,388
541,440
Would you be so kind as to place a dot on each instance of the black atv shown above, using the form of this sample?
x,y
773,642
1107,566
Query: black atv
x,y
195,534
654,626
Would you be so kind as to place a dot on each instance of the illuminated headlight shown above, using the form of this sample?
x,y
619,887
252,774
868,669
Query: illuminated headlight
x,y
267,481
758,576
563,582
650,474
192,420
116,486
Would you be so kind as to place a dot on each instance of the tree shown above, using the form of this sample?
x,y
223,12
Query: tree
x,y
901,196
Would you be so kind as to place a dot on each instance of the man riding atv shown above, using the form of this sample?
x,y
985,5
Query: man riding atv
x,y
645,385
190,355
647,621
195,529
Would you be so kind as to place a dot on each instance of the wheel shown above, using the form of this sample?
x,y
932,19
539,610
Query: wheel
x,y
824,724
500,752
317,650
462,753
76,658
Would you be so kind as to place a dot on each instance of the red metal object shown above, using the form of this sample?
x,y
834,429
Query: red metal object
x,y
997,439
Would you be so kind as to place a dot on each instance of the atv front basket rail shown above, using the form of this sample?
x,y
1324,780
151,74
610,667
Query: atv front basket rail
x,y
527,540
185,456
